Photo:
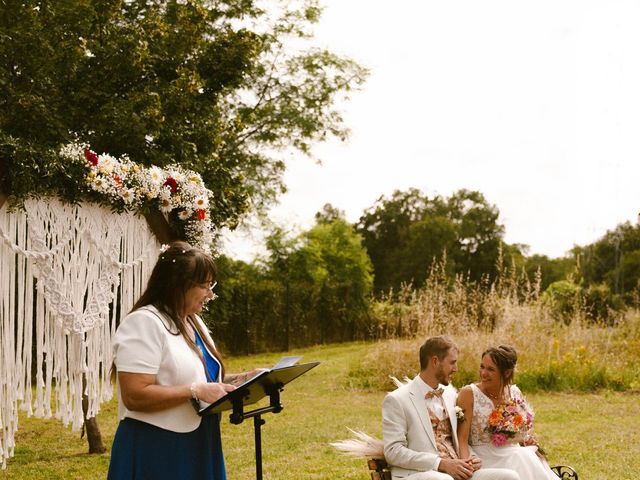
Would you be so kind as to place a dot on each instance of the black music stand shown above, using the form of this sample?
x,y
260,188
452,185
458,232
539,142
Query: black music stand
x,y
268,383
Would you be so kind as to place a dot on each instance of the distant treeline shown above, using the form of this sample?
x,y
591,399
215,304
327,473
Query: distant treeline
x,y
326,284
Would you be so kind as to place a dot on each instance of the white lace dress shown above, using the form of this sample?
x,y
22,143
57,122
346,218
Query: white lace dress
x,y
513,456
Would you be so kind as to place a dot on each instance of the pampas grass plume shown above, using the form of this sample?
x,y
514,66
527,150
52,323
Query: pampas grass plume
x,y
362,445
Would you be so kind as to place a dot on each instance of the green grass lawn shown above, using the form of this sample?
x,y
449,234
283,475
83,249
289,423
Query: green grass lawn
x,y
595,433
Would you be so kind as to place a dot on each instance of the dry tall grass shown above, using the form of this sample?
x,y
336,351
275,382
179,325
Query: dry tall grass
x,y
569,353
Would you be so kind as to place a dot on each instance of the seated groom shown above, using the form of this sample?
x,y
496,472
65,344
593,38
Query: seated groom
x,y
419,423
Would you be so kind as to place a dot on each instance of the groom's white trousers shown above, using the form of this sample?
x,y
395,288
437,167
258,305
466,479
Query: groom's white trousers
x,y
482,474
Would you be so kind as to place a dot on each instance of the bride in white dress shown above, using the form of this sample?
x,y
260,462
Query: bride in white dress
x,y
479,400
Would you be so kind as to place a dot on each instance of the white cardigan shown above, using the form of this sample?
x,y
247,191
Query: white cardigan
x,y
143,344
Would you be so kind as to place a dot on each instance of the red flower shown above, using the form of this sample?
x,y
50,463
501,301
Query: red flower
x,y
171,182
118,180
92,157
201,214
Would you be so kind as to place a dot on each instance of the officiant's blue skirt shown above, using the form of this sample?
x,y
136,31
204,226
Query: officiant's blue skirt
x,y
145,452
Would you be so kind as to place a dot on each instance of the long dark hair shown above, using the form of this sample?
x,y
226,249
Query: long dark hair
x,y
179,268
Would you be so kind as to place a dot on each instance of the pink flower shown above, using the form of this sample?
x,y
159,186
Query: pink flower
x,y
172,184
92,157
499,439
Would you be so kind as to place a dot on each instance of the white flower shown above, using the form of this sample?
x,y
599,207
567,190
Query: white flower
x,y
128,195
165,205
156,175
98,184
459,413
177,175
202,202
184,214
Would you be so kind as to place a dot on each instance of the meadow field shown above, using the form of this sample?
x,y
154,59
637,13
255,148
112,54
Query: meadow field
x,y
594,432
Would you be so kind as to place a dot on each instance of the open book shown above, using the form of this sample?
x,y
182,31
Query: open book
x,y
282,363
261,385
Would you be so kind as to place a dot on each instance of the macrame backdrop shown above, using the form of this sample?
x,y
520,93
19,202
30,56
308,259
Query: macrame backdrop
x,y
67,272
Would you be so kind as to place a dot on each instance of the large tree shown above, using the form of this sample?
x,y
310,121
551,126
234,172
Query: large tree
x,y
405,233
311,288
215,85
614,259
343,301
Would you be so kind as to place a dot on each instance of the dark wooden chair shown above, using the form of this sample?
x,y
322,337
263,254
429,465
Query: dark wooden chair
x,y
380,470
565,472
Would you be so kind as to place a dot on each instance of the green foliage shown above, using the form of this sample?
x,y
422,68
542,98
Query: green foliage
x,y
329,214
314,288
596,303
405,233
342,305
564,298
601,304
551,269
613,260
213,86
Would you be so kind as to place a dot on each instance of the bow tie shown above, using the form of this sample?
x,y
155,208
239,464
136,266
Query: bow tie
x,y
434,393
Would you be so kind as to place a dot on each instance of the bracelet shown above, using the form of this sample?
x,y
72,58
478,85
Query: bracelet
x,y
194,395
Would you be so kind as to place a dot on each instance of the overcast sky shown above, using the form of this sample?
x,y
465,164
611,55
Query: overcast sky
x,y
535,104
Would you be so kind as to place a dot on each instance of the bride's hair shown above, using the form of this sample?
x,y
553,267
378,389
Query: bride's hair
x,y
505,357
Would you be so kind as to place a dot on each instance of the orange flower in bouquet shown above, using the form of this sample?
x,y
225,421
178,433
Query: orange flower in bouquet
x,y
511,421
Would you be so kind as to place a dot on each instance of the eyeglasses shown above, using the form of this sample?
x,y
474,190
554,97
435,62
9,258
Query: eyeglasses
x,y
209,286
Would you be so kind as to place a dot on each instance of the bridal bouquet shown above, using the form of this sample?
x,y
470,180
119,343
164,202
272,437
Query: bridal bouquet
x,y
512,420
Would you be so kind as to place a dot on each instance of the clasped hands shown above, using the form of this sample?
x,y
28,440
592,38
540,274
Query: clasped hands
x,y
460,468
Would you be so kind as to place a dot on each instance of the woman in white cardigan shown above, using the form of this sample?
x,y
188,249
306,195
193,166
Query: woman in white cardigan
x,y
167,364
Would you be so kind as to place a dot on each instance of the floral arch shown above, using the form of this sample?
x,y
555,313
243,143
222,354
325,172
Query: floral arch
x,y
68,271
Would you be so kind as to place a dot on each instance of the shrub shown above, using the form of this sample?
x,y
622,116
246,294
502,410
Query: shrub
x,y
563,297
601,304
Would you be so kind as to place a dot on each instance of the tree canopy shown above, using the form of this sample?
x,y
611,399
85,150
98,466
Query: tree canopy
x,y
405,233
614,260
312,288
218,86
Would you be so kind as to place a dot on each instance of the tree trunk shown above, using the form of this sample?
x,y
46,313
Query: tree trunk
x,y
160,226
94,437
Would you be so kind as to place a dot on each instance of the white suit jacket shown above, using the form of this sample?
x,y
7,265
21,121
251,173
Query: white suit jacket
x,y
409,440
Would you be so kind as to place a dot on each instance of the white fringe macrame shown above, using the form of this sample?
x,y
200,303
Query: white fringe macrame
x,y
66,272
